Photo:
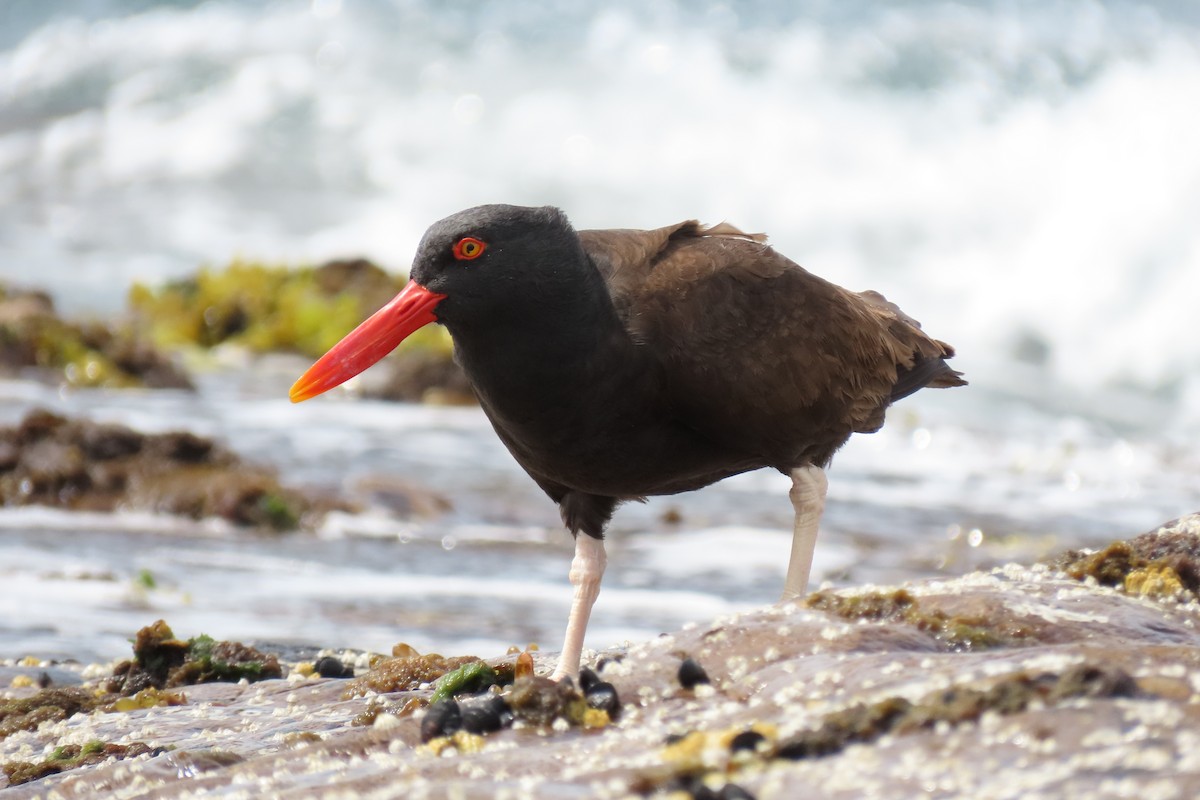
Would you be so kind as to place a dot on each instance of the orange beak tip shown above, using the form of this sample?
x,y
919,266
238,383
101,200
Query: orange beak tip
x,y
369,342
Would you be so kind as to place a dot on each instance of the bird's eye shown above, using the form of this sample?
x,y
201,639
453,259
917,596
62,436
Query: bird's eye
x,y
468,247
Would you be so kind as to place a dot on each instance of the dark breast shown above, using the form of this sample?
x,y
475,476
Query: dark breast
x,y
612,437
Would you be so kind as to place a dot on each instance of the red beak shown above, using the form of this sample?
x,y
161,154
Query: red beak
x,y
377,336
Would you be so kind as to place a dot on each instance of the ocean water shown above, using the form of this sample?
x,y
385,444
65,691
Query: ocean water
x,y
1020,176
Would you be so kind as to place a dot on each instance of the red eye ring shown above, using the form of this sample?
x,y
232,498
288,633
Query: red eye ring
x,y
468,248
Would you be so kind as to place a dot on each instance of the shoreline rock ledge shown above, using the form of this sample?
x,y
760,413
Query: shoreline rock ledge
x,y
1075,678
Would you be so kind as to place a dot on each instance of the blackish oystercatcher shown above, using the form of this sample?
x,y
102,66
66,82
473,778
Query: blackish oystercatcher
x,y
618,364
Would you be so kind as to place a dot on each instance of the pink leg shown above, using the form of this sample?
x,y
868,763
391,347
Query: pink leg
x,y
587,569
808,500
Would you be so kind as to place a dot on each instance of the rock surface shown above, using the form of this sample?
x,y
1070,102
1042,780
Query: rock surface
x,y
83,465
35,342
1025,682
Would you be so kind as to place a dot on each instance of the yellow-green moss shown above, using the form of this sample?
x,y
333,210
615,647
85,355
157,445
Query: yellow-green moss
x,y
958,632
266,307
71,756
84,354
1165,565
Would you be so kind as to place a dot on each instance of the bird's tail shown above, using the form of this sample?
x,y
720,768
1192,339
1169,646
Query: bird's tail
x,y
928,367
932,373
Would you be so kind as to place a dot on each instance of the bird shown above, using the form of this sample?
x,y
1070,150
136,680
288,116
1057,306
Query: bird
x,y
621,364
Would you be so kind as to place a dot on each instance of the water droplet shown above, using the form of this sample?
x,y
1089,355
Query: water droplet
x,y
448,542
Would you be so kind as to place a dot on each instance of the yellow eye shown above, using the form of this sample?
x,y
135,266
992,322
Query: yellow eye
x,y
468,247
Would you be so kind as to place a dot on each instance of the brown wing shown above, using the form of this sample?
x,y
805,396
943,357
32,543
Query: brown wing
x,y
758,353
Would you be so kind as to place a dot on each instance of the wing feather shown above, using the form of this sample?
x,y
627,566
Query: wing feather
x,y
756,352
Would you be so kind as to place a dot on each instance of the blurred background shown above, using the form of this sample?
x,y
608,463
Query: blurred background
x,y
1023,177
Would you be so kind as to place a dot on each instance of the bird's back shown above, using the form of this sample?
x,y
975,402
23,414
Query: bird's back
x,y
757,353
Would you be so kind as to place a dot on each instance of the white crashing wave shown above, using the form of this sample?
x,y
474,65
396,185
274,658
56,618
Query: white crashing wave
x,y
1019,175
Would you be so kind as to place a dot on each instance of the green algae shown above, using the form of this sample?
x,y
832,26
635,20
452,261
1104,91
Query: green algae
x,y
72,756
269,307
82,465
1158,564
471,677
686,767
162,661
406,672
955,706
956,632
81,354
48,705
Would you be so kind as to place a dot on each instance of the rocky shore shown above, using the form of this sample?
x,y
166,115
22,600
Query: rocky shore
x,y
1072,678
165,331
81,465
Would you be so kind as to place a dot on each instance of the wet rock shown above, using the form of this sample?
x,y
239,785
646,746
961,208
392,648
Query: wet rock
x,y
406,672
1163,563
35,342
48,705
403,498
973,629
956,706
540,701
73,756
78,464
844,699
161,661
425,376
358,277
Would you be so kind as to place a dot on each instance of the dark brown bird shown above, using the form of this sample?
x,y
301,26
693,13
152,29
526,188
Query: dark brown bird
x,y
618,364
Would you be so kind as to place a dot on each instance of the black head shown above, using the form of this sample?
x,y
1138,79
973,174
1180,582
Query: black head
x,y
481,272
494,259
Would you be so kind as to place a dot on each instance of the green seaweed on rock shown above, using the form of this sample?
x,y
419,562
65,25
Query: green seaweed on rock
x,y
48,705
1160,564
266,307
78,464
954,706
33,338
72,756
162,661
957,632
474,676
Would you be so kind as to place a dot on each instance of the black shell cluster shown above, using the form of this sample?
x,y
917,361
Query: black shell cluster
x,y
599,694
481,714
488,712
